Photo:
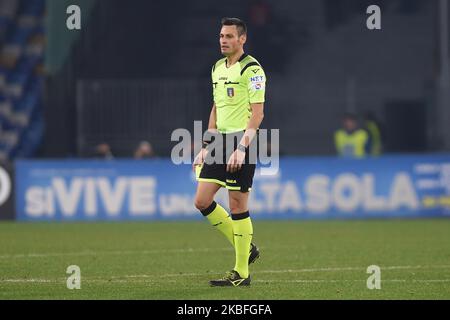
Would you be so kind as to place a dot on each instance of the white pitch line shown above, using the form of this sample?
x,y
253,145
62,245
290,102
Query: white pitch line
x,y
29,280
62,281
363,269
318,281
353,269
154,278
96,253
351,280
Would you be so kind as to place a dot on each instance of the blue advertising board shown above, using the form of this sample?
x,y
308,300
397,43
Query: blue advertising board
x,y
303,188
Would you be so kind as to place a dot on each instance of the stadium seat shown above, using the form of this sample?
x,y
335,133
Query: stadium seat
x,y
21,50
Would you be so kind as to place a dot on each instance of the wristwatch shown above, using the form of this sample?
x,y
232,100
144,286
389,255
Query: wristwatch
x,y
242,148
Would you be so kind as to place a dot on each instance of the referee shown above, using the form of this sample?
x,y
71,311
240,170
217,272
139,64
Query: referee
x,y
238,82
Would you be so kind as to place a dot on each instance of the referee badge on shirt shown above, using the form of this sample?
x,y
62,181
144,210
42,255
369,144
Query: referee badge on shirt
x,y
230,92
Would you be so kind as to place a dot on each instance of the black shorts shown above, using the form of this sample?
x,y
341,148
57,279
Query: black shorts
x,y
240,180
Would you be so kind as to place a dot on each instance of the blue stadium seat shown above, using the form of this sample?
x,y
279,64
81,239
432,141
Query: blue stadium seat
x,y
19,36
18,78
33,7
39,30
26,105
5,24
27,63
6,124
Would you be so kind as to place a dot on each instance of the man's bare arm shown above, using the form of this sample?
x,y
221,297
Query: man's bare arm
x,y
253,124
212,126
237,158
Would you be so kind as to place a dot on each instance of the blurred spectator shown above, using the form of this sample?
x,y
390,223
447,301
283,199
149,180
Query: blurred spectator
x,y
373,127
103,151
351,140
144,151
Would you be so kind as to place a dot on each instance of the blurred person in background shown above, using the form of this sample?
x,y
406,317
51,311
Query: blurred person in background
x,y
103,151
373,127
351,140
144,151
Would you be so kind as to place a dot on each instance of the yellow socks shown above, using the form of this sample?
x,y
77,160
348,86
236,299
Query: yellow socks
x,y
220,219
238,229
243,233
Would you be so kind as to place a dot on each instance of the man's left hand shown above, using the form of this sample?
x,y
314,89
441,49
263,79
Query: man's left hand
x,y
236,160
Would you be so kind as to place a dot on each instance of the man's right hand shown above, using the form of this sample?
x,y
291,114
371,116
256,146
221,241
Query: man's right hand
x,y
199,159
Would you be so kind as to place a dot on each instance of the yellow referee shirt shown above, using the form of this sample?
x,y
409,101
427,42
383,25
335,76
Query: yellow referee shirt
x,y
234,89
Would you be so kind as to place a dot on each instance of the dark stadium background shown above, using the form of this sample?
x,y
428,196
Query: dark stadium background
x,y
320,58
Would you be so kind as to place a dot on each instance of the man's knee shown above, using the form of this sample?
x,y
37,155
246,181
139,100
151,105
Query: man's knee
x,y
202,203
237,207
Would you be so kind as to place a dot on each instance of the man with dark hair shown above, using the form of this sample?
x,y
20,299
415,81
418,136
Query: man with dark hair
x,y
238,23
239,93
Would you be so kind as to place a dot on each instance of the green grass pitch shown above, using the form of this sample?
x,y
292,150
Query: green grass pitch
x,y
175,260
